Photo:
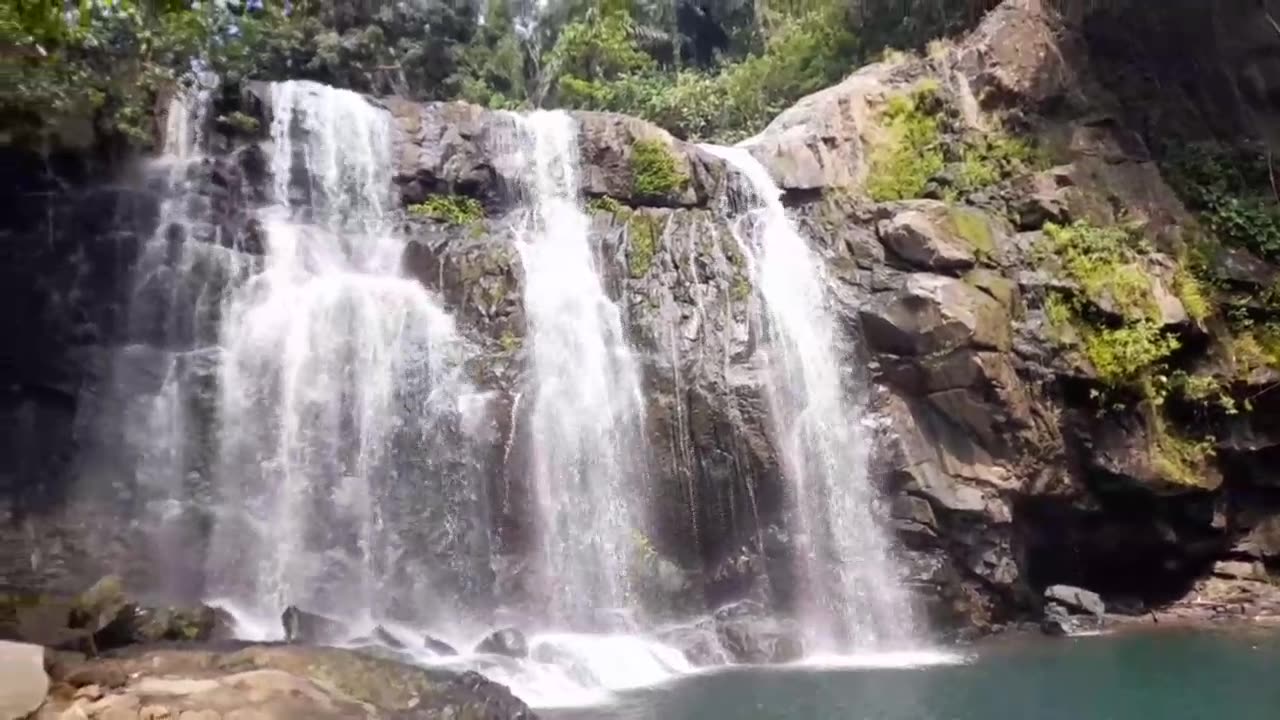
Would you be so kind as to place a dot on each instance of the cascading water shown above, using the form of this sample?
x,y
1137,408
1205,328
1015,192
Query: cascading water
x,y
850,599
341,390
586,419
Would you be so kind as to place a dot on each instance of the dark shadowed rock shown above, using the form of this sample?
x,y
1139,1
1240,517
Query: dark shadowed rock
x,y
507,641
385,637
301,626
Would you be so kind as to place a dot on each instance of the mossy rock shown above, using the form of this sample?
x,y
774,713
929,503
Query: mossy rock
x,y
1003,289
644,240
654,172
450,209
974,228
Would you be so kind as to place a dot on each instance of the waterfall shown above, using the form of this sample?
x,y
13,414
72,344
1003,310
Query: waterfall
x,y
586,416
341,393
849,598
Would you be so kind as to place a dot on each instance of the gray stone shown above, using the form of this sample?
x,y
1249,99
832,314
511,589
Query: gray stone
x,y
23,682
1057,622
1075,599
934,313
914,509
915,238
1239,570
1262,541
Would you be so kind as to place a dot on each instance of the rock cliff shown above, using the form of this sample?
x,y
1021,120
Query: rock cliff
x,y
1008,458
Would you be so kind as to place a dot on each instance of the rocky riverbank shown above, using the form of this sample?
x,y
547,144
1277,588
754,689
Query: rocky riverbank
x,y
103,655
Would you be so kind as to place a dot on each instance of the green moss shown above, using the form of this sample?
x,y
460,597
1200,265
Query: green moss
x,y
988,158
911,152
1126,355
972,227
240,122
1105,267
921,139
1102,262
1256,348
509,341
451,209
1179,459
604,204
644,235
1192,293
741,288
653,170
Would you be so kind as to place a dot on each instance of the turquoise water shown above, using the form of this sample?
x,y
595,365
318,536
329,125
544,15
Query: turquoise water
x,y
1170,675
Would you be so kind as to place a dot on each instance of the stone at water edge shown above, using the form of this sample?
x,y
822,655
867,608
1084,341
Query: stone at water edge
x,y
507,641
301,626
23,682
438,647
1056,621
1074,598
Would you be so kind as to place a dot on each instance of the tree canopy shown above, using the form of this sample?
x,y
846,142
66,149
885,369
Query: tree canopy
x,y
704,69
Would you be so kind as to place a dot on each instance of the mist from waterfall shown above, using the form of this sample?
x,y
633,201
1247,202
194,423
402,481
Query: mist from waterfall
x,y
849,596
341,392
586,417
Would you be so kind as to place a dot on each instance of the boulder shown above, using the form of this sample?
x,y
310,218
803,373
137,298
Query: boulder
x,y
135,624
270,682
760,639
934,313
507,641
23,682
1239,570
101,605
1057,621
311,628
699,642
914,237
1075,599
1262,541
104,617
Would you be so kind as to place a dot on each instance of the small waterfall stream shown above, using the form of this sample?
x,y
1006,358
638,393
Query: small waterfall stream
x,y
587,411
341,391
850,598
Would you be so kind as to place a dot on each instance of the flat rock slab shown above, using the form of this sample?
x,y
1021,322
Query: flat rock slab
x,y
23,683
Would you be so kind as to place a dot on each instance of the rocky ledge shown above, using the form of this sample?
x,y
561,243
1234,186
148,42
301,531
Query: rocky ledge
x,y
262,682
103,655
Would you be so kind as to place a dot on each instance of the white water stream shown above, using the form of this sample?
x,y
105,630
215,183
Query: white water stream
x,y
851,600
586,420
